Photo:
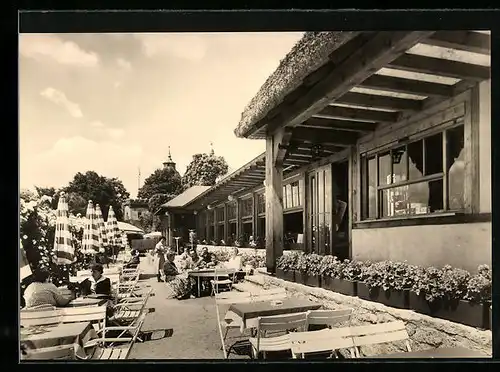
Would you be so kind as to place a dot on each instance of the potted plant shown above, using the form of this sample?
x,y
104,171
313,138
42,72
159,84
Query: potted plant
x,y
387,282
330,272
479,293
350,274
286,266
309,266
441,293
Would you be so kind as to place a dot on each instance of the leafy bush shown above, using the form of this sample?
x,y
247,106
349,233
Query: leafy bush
x,y
313,263
427,282
330,266
351,270
455,282
479,286
389,275
253,260
288,262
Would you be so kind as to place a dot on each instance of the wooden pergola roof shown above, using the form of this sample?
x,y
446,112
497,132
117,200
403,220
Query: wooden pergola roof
x,y
248,176
370,80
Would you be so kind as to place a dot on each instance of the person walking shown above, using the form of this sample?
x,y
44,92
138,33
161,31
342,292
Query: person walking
x,y
160,250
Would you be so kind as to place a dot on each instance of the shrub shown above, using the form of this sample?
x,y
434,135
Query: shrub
x,y
330,266
288,262
479,286
302,264
389,275
351,270
253,260
313,263
455,282
427,282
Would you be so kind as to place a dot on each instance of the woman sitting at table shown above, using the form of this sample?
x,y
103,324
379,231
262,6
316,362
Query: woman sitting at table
x,y
234,261
181,285
134,261
97,284
42,292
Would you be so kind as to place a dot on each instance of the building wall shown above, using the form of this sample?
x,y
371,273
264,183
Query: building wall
x,y
485,147
459,245
132,214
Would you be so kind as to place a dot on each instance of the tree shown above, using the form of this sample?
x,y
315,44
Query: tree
x,y
165,181
101,190
204,170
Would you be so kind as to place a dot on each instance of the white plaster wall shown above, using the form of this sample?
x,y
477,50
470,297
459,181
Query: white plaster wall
x,y
459,245
485,147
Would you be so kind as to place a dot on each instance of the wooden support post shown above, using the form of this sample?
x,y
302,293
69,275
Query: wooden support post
x,y
226,224
207,226
274,205
238,219
254,215
216,225
171,242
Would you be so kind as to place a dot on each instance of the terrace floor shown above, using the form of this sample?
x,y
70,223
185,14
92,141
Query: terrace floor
x,y
194,324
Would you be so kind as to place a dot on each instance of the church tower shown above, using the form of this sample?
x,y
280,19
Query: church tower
x,y
169,163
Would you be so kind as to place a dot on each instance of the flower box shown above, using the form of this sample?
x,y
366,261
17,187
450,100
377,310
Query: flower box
x,y
286,275
392,298
460,311
306,279
342,286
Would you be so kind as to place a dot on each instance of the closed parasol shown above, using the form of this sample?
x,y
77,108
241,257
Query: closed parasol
x,y
64,251
90,241
103,234
114,233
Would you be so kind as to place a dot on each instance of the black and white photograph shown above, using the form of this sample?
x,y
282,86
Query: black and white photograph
x,y
281,195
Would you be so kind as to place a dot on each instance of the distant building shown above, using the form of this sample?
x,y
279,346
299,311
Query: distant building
x,y
133,209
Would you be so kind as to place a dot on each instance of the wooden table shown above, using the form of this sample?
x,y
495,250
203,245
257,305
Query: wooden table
x,y
60,334
85,301
204,273
444,352
253,310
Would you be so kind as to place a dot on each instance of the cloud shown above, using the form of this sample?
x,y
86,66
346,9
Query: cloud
x,y
96,124
101,128
69,155
115,133
185,46
124,64
59,98
51,47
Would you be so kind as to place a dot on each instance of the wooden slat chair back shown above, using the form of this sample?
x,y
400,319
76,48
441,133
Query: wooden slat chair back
x,y
94,314
285,323
379,334
40,317
328,318
227,320
325,340
59,352
112,352
223,278
129,310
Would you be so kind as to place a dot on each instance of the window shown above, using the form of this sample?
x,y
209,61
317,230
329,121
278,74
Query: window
x,y
220,214
231,211
261,203
246,207
291,195
413,179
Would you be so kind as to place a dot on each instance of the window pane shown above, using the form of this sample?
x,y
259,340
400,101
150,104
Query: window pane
x,y
372,188
288,196
295,194
399,161
384,169
416,159
321,192
434,154
418,198
455,167
284,197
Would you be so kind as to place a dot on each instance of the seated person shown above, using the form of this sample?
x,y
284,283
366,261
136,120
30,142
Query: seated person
x,y
181,286
213,261
42,292
134,261
234,261
97,284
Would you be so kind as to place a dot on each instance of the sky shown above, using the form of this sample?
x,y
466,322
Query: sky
x,y
114,103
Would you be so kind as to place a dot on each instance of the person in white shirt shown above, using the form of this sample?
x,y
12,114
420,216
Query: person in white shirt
x,y
234,261
160,250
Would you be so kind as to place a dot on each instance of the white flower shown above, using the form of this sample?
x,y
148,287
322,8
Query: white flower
x,y
25,237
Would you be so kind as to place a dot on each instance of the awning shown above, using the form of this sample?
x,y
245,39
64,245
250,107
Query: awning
x,y
128,228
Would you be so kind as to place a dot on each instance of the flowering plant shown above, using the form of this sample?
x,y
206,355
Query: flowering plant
x,y
351,270
330,266
389,275
313,262
479,286
455,282
441,284
288,262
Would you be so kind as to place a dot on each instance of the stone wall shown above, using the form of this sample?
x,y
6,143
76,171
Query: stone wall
x,y
425,332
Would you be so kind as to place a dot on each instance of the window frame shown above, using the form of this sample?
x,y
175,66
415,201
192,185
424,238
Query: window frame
x,y
376,153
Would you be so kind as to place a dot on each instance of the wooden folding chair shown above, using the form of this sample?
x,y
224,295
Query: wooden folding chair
x,y
325,340
128,310
40,317
379,334
230,320
328,318
276,323
223,278
106,349
59,352
94,314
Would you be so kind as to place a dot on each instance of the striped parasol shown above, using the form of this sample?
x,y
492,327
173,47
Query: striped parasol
x,y
103,235
125,241
114,233
90,241
64,251
24,267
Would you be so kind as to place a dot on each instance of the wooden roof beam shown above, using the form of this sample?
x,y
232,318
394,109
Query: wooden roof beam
x,y
409,86
383,102
344,125
467,41
319,136
380,49
360,114
307,145
440,67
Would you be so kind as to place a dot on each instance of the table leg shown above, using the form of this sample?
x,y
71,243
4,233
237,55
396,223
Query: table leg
x,y
199,287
